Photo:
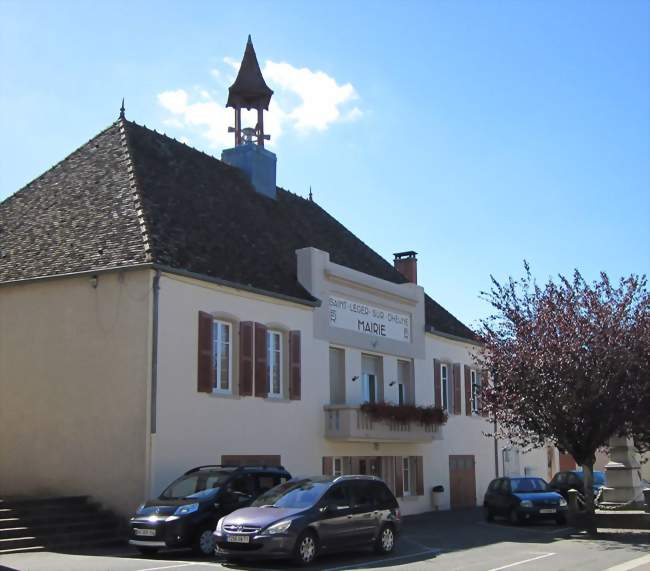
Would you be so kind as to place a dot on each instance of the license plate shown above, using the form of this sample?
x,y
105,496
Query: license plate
x,y
238,539
548,511
144,532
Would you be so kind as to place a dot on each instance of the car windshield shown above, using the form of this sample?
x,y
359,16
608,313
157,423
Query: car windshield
x,y
195,485
528,485
300,494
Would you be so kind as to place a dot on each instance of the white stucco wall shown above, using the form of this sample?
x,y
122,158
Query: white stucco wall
x,y
195,428
74,393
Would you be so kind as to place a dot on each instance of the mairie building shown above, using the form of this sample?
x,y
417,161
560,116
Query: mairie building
x,y
162,309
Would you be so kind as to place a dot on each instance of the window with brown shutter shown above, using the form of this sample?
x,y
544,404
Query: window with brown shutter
x,y
399,477
205,364
456,385
294,365
419,476
261,377
436,383
468,391
246,358
328,467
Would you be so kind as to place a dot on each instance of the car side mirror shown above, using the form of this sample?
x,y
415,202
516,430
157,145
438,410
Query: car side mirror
x,y
329,508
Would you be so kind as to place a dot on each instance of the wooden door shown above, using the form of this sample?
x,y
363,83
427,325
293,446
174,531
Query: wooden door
x,y
462,481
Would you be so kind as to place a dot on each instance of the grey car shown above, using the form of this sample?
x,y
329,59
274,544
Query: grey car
x,y
306,516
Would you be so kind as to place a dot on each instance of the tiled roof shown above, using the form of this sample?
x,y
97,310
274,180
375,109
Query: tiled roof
x,y
184,209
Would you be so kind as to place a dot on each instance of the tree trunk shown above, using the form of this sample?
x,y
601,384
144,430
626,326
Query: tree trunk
x,y
590,507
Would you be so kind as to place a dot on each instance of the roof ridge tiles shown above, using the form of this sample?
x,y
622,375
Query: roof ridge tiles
x,y
135,191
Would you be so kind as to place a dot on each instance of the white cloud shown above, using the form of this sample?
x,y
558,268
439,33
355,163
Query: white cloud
x,y
305,101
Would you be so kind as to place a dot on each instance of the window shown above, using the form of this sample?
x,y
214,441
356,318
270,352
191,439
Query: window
x,y
221,355
444,387
337,496
274,362
369,387
403,382
337,464
370,375
475,388
406,475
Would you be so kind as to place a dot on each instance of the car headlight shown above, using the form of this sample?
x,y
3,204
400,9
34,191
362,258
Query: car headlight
x,y
563,502
220,525
279,527
186,509
526,504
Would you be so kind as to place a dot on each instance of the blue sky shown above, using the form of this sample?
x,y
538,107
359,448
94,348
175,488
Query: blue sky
x,y
476,133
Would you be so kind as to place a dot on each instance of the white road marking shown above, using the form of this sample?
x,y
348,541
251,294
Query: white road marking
x,y
386,560
630,564
522,562
167,567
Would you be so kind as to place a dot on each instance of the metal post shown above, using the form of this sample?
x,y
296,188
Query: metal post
x,y
237,126
260,126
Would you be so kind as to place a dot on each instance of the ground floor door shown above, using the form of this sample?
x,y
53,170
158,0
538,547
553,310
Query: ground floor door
x,y
462,481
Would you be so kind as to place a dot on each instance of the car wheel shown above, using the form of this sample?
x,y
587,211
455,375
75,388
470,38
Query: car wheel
x,y
204,542
513,517
147,550
306,548
385,542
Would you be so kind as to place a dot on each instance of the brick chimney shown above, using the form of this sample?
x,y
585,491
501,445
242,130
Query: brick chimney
x,y
406,263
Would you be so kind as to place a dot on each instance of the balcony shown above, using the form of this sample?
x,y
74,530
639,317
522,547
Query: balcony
x,y
347,423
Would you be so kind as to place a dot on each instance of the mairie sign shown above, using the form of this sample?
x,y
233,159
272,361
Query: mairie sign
x,y
369,320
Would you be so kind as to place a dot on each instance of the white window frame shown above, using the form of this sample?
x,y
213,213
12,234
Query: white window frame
x,y
216,349
406,476
444,386
270,363
473,375
336,472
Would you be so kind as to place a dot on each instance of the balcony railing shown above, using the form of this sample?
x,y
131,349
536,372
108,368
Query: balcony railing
x,y
348,423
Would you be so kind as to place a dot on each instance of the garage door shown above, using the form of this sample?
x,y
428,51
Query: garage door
x,y
462,481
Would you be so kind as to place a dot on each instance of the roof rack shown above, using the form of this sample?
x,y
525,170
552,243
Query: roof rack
x,y
355,477
236,467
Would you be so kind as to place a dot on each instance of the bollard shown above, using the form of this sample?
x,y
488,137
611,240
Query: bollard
x,y
646,495
573,501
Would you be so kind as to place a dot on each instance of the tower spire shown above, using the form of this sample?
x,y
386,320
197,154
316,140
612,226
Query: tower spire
x,y
122,110
249,91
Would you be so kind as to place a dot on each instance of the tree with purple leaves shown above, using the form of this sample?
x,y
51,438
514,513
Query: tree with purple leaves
x,y
569,364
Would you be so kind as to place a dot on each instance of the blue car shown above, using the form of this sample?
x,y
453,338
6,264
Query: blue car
x,y
524,499
567,480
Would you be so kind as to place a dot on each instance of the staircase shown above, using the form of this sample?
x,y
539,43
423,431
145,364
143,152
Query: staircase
x,y
57,523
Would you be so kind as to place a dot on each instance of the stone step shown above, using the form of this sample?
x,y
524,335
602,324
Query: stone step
x,y
44,530
56,519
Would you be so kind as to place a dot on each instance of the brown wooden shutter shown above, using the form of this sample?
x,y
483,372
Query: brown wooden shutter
x,y
205,363
483,384
399,477
328,466
294,365
246,358
468,391
437,400
261,374
456,385
419,476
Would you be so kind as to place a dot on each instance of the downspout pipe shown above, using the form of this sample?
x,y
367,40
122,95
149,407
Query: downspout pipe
x,y
154,349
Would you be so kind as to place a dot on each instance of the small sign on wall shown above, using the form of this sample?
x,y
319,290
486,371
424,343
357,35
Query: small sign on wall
x,y
369,320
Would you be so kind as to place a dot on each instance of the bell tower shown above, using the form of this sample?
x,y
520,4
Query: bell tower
x,y
249,91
